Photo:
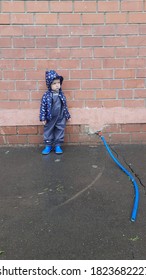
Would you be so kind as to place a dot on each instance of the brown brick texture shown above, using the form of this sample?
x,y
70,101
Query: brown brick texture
x,y
98,46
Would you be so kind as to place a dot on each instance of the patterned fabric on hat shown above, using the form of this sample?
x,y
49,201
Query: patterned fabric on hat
x,y
50,76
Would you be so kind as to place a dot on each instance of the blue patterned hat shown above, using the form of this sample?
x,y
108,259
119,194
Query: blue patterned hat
x,y
51,76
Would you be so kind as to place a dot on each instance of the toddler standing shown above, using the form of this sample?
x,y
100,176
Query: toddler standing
x,y
53,113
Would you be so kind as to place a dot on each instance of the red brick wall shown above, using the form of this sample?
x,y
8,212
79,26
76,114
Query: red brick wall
x,y
98,46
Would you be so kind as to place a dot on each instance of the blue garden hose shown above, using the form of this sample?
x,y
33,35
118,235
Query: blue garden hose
x,y
136,190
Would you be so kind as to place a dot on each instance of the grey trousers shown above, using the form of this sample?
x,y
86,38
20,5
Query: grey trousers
x,y
54,129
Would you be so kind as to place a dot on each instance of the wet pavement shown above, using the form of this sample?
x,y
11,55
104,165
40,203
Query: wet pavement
x,y
72,206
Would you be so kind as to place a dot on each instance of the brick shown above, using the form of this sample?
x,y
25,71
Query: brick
x,y
35,75
106,94
116,18
46,42
93,19
25,85
14,75
104,52
84,94
135,62
17,139
21,19
124,73
143,127
111,6
24,64
112,84
81,52
115,41
142,51
69,94
29,105
102,74
72,129
120,138
4,19
125,94
80,30
132,6
91,84
91,41
134,83
142,29
59,53
112,128
3,95
69,19
34,31
7,85
6,64
69,42
113,63
69,64
80,74
5,42
2,140
139,93
134,103
57,30
46,18
66,139
9,105
35,139
37,6
74,138
130,127
76,104
137,18
61,7
12,53
136,41
103,30
12,7
90,63
18,95
8,130
85,6
36,53
9,30
125,29
72,84
23,43
126,52
84,138
93,104
47,64
112,103
36,95
27,130
40,129
138,137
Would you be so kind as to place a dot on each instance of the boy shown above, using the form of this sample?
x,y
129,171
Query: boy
x,y
53,113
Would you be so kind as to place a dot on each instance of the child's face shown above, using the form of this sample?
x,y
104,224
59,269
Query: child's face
x,y
55,85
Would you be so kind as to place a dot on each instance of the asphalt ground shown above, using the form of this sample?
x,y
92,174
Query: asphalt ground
x,y
74,206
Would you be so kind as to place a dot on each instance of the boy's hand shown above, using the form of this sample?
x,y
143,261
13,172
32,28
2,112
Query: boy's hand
x,y
44,122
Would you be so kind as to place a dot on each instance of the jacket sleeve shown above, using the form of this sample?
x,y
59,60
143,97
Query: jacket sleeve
x,y
43,109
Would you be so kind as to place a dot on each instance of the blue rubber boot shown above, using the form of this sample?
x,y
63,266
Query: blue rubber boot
x,y
58,150
47,150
